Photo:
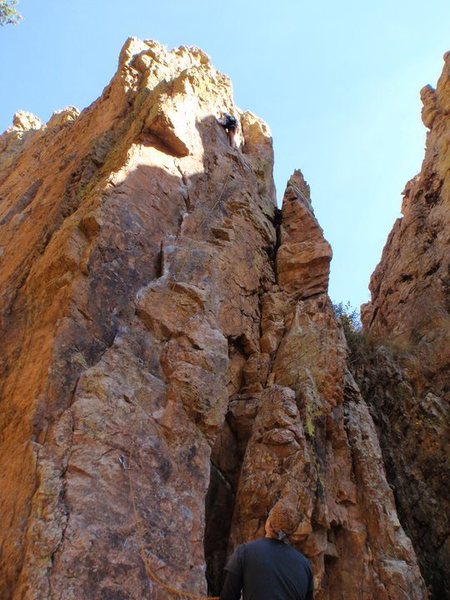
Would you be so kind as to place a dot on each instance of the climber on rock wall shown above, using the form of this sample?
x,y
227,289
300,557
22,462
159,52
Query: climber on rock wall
x,y
230,124
269,568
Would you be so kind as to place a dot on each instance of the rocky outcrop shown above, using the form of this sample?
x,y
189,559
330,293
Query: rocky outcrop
x,y
410,286
171,362
412,425
304,255
406,378
313,445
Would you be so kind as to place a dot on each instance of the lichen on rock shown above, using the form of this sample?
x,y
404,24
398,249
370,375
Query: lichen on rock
x,y
171,365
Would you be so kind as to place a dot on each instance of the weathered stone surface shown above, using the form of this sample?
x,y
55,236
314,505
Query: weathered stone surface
x,y
119,304
413,426
12,141
165,376
406,381
303,259
410,286
314,445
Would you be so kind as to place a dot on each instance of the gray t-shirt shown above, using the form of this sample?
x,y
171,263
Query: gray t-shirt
x,y
267,569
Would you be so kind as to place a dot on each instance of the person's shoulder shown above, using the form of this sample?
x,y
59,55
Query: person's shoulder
x,y
252,548
236,561
301,557
238,551
255,545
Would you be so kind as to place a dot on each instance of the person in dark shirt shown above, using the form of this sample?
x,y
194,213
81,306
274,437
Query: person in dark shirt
x,y
230,124
269,568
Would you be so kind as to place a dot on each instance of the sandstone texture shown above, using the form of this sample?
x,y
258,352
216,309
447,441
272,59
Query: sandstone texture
x,y
410,294
406,381
304,255
171,364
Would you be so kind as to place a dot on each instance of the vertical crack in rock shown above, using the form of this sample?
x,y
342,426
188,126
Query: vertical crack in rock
x,y
219,507
155,284
172,365
300,449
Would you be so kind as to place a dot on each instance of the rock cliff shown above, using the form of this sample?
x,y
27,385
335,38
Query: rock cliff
x,y
171,364
406,379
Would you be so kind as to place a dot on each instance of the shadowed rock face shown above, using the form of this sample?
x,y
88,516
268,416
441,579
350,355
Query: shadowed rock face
x,y
407,380
171,365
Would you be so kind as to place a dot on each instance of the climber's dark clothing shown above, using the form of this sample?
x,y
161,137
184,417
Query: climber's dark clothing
x,y
229,122
267,569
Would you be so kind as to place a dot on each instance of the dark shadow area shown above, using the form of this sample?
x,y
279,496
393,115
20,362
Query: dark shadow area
x,y
219,506
226,464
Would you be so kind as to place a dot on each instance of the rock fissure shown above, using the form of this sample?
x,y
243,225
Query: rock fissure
x,y
174,340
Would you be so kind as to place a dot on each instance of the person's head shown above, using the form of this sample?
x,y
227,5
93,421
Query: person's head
x,y
281,522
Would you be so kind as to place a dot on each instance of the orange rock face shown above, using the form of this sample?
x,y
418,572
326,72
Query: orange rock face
x,y
407,380
171,365
410,286
304,255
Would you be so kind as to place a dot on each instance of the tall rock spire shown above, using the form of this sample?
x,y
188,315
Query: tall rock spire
x,y
171,365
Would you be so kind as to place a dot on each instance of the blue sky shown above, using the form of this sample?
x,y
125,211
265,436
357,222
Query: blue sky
x,y
338,83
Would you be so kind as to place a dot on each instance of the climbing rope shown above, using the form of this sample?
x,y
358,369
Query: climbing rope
x,y
176,592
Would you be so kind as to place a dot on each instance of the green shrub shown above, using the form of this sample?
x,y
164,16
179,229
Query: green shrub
x,y
8,13
358,341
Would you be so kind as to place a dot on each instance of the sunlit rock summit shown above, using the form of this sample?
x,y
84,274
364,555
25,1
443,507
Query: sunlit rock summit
x,y
171,363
